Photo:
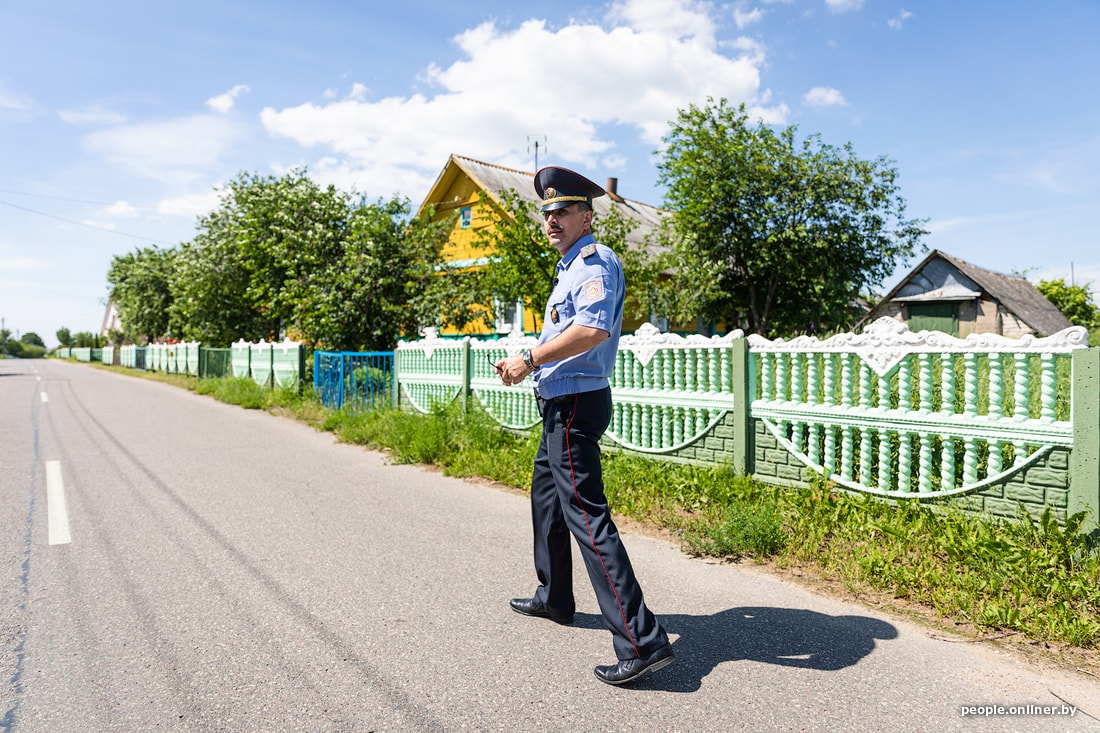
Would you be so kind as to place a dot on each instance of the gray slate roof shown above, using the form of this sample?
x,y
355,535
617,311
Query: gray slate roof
x,y
1015,293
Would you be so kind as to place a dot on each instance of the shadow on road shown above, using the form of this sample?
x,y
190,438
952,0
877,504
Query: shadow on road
x,y
784,636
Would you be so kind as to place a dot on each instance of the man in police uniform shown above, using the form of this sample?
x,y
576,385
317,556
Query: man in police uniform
x,y
571,366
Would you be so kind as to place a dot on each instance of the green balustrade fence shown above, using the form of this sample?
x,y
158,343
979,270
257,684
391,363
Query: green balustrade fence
x,y
991,423
280,364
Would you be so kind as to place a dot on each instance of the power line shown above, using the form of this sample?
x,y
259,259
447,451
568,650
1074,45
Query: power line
x,y
70,199
151,240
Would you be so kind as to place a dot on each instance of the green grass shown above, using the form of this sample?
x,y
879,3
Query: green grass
x,y
1036,578
234,391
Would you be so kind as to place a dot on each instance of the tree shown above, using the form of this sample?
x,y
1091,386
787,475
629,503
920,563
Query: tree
x,y
774,234
285,256
140,286
379,285
8,345
521,263
30,338
209,293
27,346
64,337
246,273
1074,301
87,339
647,266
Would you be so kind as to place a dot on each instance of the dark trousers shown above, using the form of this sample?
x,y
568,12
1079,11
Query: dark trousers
x,y
567,497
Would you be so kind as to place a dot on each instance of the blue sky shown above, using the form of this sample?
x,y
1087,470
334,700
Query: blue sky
x,y
119,119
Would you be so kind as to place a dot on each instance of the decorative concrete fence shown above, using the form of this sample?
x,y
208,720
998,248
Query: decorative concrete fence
x,y
927,415
240,355
269,364
131,356
990,422
176,358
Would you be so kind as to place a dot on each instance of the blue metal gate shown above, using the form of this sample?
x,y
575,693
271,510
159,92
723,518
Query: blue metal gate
x,y
358,380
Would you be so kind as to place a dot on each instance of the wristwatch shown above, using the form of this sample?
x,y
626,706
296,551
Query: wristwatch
x,y
528,361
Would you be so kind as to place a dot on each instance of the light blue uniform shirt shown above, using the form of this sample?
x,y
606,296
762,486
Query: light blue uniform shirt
x,y
589,291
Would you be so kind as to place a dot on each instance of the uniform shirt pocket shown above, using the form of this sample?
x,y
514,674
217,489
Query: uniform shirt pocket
x,y
560,311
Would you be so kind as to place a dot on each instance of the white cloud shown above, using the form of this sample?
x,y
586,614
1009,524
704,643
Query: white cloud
x,y
843,6
679,19
224,102
953,223
14,102
825,97
176,151
108,226
899,21
743,17
94,115
190,205
120,208
648,60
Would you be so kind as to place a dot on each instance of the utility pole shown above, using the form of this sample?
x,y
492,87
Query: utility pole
x,y
535,144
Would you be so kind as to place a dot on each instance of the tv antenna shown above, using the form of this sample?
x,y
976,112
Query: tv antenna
x,y
535,144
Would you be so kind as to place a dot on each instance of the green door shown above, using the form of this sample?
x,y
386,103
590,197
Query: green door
x,y
934,317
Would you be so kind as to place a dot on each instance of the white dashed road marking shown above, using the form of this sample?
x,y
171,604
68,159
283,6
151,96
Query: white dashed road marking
x,y
56,511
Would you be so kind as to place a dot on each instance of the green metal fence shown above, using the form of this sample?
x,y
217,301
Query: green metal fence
x,y
214,362
995,423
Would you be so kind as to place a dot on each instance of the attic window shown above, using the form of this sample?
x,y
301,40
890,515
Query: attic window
x,y
465,216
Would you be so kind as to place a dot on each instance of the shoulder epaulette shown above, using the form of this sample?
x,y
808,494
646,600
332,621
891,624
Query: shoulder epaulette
x,y
588,250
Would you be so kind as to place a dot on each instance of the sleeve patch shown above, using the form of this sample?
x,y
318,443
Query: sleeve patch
x,y
593,290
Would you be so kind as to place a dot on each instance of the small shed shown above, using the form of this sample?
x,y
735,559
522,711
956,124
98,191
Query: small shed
x,y
944,293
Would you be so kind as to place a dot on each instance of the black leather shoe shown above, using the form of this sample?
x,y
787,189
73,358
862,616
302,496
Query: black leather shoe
x,y
629,670
531,607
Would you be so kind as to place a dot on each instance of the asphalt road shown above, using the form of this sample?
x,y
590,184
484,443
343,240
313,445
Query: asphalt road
x,y
225,570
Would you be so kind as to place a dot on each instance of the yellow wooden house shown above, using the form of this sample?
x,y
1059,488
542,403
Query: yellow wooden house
x,y
459,188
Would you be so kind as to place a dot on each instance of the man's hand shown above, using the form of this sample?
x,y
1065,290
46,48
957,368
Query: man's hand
x,y
512,370
570,342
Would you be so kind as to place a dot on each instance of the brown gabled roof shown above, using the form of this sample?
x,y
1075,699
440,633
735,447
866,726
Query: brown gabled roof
x,y
1014,292
496,179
